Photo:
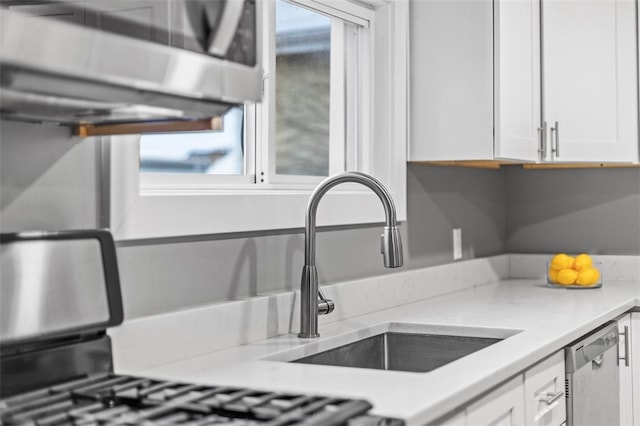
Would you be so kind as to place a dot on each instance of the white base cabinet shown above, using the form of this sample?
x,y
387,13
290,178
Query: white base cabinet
x,y
537,396
502,407
629,362
625,368
544,392
534,397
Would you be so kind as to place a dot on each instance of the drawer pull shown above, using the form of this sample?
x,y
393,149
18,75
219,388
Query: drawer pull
x,y
552,401
550,397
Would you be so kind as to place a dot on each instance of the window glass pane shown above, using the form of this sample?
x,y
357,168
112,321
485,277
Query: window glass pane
x,y
303,39
216,152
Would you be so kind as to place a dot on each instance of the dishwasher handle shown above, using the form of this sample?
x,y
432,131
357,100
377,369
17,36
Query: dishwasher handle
x,y
594,350
589,350
597,362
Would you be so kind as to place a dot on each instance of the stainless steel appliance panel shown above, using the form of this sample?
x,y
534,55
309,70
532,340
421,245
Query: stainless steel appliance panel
x,y
56,284
593,381
49,286
109,52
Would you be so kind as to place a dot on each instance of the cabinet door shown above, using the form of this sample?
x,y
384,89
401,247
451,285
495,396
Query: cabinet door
x,y
590,79
517,79
451,80
503,406
624,364
544,392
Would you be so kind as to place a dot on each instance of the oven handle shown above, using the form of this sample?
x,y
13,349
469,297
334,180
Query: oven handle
x,y
220,40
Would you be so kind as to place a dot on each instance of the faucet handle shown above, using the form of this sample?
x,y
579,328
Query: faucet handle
x,y
325,306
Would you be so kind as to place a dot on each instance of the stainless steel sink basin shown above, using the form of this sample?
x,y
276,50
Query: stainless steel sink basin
x,y
401,351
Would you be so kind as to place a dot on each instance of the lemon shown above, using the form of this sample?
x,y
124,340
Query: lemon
x,y
561,261
588,276
553,275
582,261
567,276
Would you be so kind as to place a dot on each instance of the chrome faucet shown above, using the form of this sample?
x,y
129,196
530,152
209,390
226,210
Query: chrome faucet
x,y
312,301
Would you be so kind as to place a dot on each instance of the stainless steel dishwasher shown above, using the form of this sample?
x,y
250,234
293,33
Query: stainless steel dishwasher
x,y
592,379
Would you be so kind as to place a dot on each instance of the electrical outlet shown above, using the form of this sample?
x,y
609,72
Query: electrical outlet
x,y
457,243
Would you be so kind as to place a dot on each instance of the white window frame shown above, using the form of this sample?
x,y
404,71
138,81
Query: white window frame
x,y
173,209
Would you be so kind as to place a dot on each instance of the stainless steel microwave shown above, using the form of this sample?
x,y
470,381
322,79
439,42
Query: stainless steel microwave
x,y
93,61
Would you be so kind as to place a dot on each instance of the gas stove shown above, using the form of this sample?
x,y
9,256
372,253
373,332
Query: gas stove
x,y
127,400
56,362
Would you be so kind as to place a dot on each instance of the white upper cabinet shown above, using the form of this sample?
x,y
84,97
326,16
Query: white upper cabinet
x,y
590,80
475,80
517,80
451,80
524,81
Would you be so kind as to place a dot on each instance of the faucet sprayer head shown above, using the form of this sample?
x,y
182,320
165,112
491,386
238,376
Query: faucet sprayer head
x,y
391,247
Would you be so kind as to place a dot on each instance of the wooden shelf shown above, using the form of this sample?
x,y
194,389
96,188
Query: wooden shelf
x,y
89,130
496,164
580,166
480,164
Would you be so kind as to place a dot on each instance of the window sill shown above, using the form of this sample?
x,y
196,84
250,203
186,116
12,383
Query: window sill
x,y
169,215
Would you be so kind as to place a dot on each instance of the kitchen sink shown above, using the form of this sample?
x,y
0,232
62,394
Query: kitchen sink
x,y
401,352
404,347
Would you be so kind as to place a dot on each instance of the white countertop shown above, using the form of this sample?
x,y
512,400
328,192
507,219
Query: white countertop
x,y
549,318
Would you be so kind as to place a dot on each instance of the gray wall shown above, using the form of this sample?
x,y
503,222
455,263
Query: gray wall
x,y
442,198
50,180
573,210
189,272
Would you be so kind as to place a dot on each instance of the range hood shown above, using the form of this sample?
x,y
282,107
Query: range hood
x,y
58,72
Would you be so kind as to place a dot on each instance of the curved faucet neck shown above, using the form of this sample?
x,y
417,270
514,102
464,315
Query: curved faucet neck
x,y
312,206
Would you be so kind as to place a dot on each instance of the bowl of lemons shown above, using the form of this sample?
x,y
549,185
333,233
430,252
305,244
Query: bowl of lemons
x,y
574,272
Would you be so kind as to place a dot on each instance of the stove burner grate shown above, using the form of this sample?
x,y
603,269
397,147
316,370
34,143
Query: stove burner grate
x,y
110,400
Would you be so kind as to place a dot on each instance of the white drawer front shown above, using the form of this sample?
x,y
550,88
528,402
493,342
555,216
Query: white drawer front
x,y
545,399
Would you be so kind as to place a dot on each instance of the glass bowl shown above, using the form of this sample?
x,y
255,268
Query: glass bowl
x,y
597,284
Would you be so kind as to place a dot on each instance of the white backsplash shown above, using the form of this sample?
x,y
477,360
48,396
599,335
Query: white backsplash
x,y
175,336
179,335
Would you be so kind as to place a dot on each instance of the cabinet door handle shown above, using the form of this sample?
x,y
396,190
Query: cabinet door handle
x,y
625,333
555,139
542,141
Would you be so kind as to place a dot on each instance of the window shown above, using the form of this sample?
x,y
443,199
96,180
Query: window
x,y
303,90
305,61
334,100
216,152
